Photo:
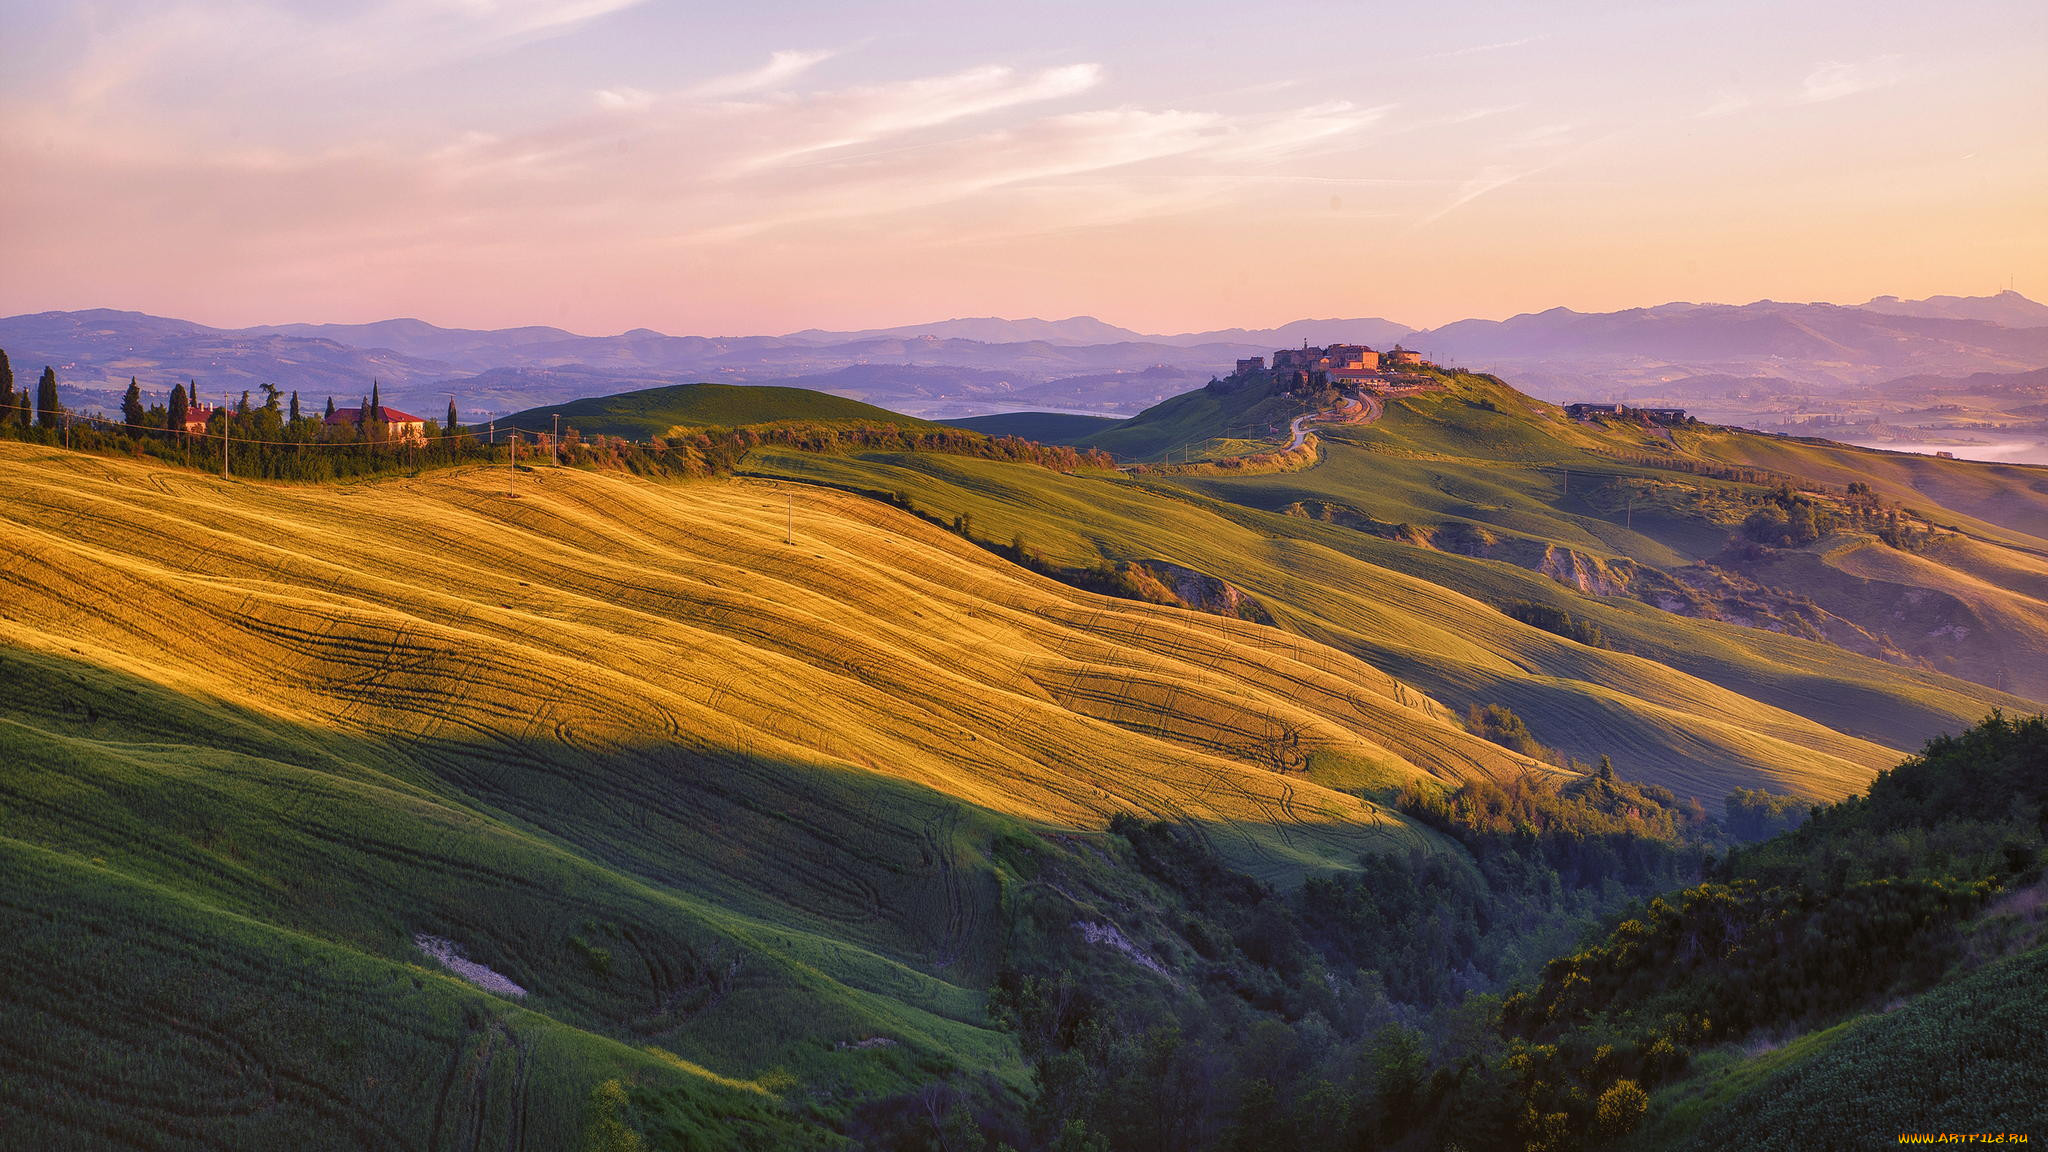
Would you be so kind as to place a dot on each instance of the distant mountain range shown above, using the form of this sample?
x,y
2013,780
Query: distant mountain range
x,y
966,366
2008,308
1087,330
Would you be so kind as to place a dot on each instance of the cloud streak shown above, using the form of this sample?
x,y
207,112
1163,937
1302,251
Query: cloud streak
x,y
781,68
1824,83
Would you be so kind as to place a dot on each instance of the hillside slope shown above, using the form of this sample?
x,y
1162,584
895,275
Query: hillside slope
x,y
764,806
1415,539
655,411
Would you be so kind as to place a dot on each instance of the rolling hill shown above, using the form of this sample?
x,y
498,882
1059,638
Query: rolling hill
x,y
654,411
728,811
689,786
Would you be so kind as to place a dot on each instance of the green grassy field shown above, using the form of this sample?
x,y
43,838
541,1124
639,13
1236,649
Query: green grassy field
x,y
655,411
1206,422
1960,1058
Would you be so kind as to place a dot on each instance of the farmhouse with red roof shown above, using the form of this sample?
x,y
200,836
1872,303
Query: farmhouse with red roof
x,y
401,426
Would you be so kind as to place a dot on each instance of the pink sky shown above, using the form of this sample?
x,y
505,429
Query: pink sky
x,y
609,164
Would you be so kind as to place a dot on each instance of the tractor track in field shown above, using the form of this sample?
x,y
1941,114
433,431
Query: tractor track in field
x,y
936,834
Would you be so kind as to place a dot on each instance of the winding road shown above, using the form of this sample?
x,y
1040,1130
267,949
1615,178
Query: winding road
x,y
1363,410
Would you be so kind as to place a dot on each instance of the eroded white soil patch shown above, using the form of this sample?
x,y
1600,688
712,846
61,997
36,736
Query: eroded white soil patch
x,y
449,955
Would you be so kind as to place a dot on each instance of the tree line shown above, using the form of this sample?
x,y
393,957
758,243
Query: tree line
x,y
274,436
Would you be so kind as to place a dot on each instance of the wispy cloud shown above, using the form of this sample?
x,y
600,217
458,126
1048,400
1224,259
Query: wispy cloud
x,y
781,68
1491,178
1560,140
140,66
728,159
793,129
1216,152
1835,80
1476,49
1827,81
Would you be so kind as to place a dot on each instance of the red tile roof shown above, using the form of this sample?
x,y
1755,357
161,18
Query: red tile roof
x,y
386,413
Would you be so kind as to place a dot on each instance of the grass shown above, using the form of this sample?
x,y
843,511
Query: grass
x,y
1203,423
694,787
658,411
135,1016
1963,1057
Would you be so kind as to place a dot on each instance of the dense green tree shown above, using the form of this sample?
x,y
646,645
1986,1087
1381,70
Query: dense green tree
x,y
48,408
7,398
330,407
1754,814
295,406
132,410
451,427
180,411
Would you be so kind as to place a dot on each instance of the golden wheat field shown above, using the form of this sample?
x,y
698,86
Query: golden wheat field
x,y
602,613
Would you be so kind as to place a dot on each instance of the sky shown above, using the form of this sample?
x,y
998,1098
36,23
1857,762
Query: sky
x,y
724,169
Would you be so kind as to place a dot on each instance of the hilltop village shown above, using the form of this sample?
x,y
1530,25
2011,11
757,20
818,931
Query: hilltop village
x,y
1369,374
1306,370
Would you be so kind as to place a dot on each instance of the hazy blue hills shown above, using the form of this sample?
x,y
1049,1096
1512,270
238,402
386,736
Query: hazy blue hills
x,y
1795,331
2008,308
962,367
1044,427
988,330
1083,330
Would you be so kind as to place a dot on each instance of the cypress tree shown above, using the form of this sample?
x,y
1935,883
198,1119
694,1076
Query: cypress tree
x,y
295,405
376,404
7,400
48,407
242,408
330,405
181,410
131,405
452,427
